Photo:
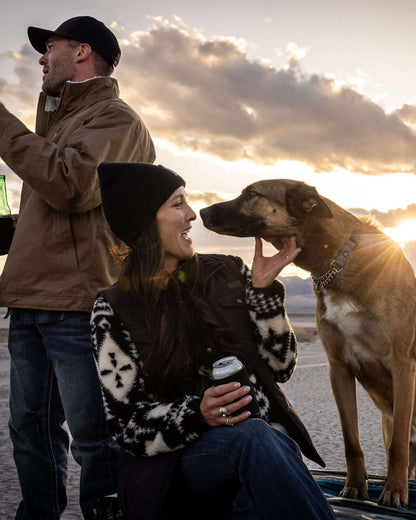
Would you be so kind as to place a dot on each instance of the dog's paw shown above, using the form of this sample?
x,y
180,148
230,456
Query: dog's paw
x,y
393,498
359,492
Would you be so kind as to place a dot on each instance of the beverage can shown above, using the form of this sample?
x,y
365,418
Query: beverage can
x,y
225,367
231,369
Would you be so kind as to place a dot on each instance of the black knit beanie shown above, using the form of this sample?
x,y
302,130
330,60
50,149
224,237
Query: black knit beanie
x,y
132,193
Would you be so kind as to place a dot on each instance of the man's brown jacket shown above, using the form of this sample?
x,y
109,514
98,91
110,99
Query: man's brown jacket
x,y
59,256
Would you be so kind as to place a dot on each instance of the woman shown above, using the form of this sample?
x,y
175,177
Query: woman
x,y
189,449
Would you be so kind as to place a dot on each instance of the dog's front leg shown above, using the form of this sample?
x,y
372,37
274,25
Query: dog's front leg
x,y
395,491
344,389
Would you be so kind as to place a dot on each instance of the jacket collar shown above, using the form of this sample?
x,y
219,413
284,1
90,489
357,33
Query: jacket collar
x,y
78,94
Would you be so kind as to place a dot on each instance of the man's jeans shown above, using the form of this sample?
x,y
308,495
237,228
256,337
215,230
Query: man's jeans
x,y
53,379
249,472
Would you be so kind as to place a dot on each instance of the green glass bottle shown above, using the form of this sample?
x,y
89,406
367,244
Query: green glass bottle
x,y
4,205
6,220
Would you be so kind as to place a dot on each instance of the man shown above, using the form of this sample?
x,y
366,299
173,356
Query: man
x,y
57,261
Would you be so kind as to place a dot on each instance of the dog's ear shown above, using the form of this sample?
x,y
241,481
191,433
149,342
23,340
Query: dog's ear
x,y
304,200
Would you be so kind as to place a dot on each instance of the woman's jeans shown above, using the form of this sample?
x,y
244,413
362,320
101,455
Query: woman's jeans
x,y
250,471
53,379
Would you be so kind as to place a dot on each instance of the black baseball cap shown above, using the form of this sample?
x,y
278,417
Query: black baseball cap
x,y
84,29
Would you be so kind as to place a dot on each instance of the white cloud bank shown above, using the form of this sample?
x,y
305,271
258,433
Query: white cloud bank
x,y
207,96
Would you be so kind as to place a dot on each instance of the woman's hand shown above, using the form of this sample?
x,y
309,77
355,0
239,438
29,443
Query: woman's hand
x,y
265,268
220,396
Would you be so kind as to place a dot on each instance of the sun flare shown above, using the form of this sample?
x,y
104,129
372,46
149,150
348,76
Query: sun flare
x,y
404,232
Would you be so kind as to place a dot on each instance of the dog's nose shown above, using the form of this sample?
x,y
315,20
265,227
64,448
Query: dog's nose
x,y
207,217
203,214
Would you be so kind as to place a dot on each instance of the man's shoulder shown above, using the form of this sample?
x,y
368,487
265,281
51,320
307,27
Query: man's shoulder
x,y
96,94
109,111
121,105
116,107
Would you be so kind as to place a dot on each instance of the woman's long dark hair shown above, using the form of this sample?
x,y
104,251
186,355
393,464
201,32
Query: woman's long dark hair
x,y
187,333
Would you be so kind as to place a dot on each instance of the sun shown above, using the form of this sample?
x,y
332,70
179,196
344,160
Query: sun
x,y
404,232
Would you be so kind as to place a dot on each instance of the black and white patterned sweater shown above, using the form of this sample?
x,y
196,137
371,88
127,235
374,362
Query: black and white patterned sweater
x,y
145,426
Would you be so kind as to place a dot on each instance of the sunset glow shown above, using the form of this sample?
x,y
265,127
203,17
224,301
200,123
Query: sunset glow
x,y
404,232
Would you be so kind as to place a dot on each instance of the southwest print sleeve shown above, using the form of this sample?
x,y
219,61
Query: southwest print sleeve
x,y
275,338
141,424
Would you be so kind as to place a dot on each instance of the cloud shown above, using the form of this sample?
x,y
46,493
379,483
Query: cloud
x,y
391,218
3,87
205,198
295,55
407,114
20,92
206,95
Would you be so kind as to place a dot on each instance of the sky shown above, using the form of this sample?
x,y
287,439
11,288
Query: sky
x,y
233,92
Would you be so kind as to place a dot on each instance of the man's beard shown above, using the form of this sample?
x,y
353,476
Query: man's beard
x,y
52,88
57,76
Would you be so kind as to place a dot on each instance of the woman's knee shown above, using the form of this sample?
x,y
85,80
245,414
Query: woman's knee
x,y
258,428
258,432
249,435
247,431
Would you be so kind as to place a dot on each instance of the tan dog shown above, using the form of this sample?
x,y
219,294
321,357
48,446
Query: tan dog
x,y
366,313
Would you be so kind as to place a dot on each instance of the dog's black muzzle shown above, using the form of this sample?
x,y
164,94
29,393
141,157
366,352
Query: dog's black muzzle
x,y
224,219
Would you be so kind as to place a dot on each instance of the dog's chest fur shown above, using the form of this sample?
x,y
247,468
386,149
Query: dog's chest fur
x,y
357,338
342,311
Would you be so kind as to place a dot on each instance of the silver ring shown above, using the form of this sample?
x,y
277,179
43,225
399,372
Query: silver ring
x,y
223,411
227,422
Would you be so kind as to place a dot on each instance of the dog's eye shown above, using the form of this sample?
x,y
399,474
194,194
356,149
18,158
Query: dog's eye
x,y
251,193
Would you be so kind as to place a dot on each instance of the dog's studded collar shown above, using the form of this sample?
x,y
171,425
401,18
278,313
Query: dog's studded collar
x,y
337,264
